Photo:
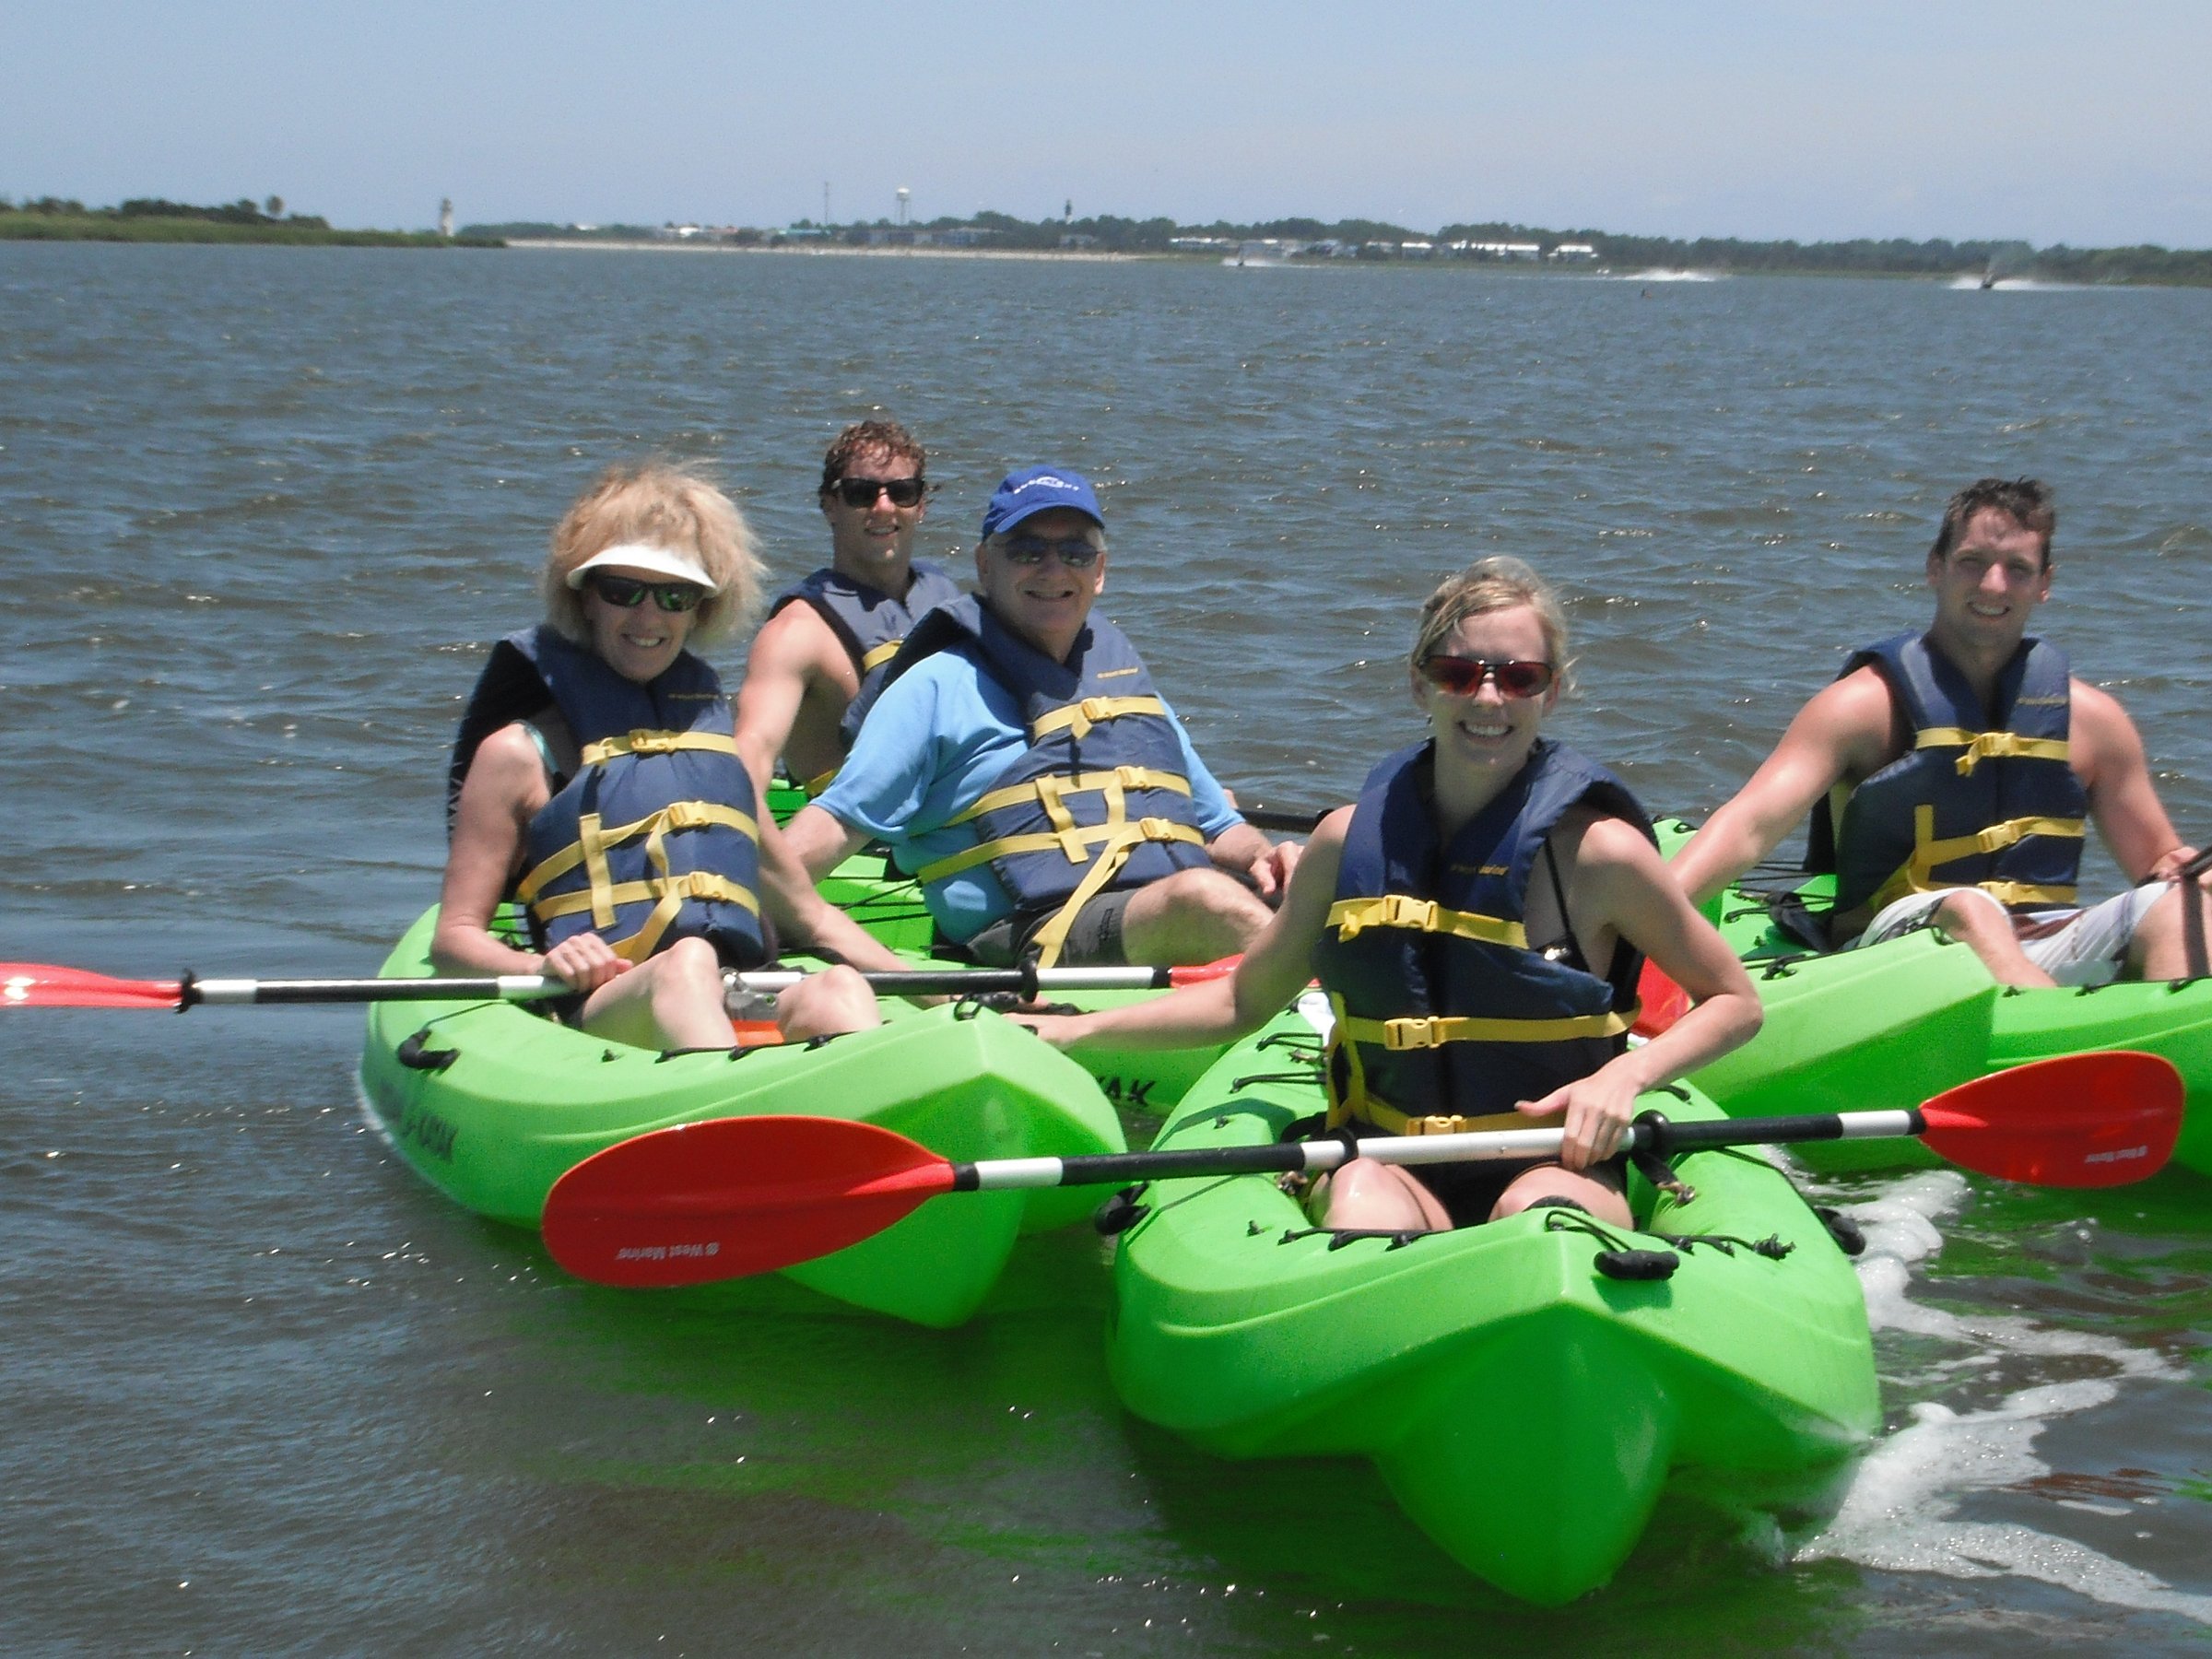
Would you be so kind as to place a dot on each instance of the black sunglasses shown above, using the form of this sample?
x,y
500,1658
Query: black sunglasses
x,y
1075,552
862,492
627,592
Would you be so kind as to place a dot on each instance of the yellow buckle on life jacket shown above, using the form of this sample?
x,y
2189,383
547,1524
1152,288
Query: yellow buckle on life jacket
x,y
1400,1035
1918,875
643,742
1982,746
1126,777
1351,917
1367,1109
1078,718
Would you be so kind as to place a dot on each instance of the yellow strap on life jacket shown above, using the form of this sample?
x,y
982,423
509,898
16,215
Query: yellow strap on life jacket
x,y
592,839
1052,790
1917,874
1076,844
670,891
1366,1109
880,655
1434,1032
1984,745
657,743
1350,917
1078,718
814,786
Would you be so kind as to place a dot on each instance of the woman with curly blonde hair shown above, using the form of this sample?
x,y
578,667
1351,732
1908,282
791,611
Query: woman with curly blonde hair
x,y
595,784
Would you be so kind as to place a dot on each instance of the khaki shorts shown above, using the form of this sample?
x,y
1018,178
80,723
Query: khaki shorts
x,y
2074,946
1094,938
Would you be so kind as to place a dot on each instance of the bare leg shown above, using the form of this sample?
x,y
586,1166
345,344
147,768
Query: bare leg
x,y
669,1001
1986,930
1367,1197
1594,1194
826,1003
1192,916
2160,948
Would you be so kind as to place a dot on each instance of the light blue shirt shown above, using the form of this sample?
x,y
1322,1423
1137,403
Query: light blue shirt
x,y
940,736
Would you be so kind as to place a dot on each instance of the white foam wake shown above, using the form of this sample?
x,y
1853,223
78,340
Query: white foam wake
x,y
1900,1513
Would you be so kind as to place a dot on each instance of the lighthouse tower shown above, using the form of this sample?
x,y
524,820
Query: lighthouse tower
x,y
445,217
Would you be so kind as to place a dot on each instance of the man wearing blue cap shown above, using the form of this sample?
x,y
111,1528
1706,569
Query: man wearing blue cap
x,y
1018,762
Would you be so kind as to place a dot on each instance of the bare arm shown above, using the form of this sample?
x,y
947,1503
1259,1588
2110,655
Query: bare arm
x,y
1277,967
821,843
1245,849
793,654
504,788
804,917
1619,888
1843,732
2123,802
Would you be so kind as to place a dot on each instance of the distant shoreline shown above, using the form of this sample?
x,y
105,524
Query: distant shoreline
x,y
844,250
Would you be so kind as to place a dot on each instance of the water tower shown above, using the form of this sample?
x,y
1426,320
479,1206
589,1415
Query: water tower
x,y
904,192
445,217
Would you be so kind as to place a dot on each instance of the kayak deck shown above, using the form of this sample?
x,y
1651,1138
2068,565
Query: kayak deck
x,y
1892,1024
1524,1407
492,1103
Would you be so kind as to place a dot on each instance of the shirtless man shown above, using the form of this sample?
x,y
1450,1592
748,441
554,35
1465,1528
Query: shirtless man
x,y
1952,775
825,634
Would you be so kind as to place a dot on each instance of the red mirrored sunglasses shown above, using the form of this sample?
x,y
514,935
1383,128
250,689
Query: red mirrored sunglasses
x,y
1463,677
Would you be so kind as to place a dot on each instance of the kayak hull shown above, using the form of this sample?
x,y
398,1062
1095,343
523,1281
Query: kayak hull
x,y
1525,1409
1894,1024
492,1103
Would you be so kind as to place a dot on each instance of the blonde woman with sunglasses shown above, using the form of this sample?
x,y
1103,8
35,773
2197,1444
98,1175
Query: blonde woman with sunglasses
x,y
595,784
1478,919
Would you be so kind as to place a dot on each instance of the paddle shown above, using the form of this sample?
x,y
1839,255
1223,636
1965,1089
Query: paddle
x,y
1289,819
732,1196
2193,959
42,985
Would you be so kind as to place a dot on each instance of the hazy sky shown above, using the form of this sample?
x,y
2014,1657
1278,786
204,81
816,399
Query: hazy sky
x,y
2053,122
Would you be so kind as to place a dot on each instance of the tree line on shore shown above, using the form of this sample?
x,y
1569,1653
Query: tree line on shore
x,y
152,218
155,219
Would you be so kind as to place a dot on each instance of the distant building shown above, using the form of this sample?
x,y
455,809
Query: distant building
x,y
1079,240
1496,250
445,217
1414,248
1202,244
1575,251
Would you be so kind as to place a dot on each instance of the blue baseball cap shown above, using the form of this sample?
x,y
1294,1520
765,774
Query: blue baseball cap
x,y
1029,490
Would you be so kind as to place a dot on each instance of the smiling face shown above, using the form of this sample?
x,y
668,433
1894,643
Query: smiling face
x,y
1487,732
641,642
868,543
1988,585
1045,602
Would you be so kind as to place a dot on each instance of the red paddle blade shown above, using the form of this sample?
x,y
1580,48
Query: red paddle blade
x,y
1661,1001
1197,973
2079,1121
730,1196
42,985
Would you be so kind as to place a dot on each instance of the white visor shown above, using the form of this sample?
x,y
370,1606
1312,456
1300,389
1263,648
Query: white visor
x,y
654,561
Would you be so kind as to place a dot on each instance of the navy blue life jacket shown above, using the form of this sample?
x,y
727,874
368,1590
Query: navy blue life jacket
x,y
1098,802
656,838
1984,799
1446,1017
868,622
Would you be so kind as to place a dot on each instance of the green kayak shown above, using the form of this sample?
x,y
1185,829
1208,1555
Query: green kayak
x,y
491,1103
1895,1023
1523,1407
